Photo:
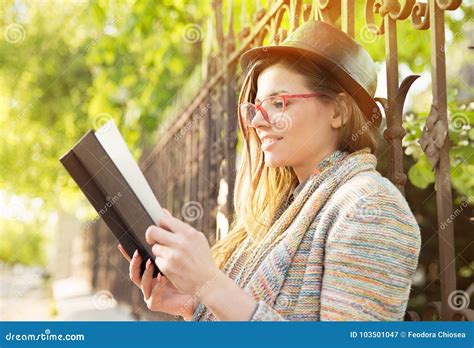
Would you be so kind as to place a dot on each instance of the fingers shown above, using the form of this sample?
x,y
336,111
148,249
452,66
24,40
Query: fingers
x,y
172,224
155,249
147,280
160,250
124,253
155,301
158,288
135,269
167,212
161,263
156,234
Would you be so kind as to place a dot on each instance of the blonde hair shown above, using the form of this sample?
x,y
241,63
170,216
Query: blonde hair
x,y
261,190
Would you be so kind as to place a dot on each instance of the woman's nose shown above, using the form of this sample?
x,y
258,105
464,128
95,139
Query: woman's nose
x,y
259,121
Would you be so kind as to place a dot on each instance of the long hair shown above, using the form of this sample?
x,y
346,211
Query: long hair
x,y
261,190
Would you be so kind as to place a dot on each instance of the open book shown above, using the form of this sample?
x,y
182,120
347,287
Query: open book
x,y
104,169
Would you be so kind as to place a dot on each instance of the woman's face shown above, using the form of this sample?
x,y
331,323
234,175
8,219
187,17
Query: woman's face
x,y
308,130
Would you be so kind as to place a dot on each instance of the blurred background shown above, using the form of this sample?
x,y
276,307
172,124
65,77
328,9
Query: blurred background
x,y
71,65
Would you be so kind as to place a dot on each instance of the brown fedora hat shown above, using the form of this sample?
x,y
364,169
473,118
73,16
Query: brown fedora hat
x,y
334,51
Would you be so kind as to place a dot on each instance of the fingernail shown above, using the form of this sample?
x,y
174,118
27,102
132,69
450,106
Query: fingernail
x,y
148,263
135,254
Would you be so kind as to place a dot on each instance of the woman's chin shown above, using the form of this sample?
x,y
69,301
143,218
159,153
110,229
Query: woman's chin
x,y
273,161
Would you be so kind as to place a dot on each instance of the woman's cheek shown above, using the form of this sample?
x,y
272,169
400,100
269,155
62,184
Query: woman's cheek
x,y
280,154
288,151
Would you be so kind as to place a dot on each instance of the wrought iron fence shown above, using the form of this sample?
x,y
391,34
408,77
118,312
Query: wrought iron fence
x,y
192,167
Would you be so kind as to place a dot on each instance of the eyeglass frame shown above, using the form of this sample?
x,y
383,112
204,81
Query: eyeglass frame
x,y
264,112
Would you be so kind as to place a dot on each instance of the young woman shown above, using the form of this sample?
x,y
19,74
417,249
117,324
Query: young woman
x,y
318,233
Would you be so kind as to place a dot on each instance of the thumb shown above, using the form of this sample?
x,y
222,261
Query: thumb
x,y
167,211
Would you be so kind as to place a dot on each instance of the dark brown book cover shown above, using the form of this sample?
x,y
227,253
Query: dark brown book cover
x,y
111,196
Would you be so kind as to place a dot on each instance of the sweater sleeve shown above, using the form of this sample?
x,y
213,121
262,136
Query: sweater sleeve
x,y
371,255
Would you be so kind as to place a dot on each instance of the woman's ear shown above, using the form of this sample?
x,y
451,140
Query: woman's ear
x,y
341,111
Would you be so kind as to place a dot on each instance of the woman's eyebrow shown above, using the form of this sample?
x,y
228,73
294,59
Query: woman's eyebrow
x,y
272,94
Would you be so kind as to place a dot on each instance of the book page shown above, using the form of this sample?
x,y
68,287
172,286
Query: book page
x,y
113,143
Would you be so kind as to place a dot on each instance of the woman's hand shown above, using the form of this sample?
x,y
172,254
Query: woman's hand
x,y
159,293
183,254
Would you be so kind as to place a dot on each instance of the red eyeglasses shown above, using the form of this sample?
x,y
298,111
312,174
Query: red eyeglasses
x,y
272,107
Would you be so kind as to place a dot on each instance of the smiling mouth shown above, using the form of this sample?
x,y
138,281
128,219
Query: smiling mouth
x,y
270,140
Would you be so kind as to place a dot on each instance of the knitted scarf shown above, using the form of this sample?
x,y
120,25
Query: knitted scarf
x,y
264,269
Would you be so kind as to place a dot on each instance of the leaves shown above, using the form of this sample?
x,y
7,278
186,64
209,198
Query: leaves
x,y
74,67
78,66
420,174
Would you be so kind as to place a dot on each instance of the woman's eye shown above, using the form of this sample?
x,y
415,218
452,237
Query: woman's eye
x,y
278,104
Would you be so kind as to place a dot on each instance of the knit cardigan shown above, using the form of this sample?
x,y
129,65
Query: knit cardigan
x,y
345,248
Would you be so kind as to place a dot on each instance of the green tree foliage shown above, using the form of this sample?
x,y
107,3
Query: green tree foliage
x,y
22,243
65,69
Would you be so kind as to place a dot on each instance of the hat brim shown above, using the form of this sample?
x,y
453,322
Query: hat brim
x,y
363,99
